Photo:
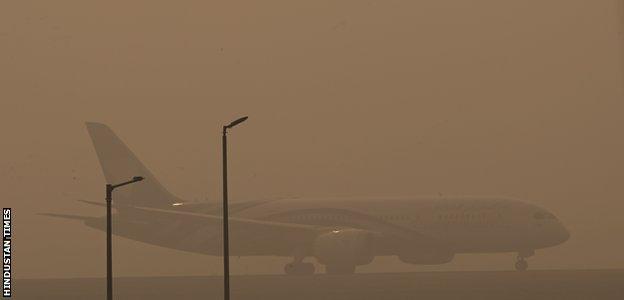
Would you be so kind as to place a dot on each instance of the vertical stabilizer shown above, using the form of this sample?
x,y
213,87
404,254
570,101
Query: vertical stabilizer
x,y
119,164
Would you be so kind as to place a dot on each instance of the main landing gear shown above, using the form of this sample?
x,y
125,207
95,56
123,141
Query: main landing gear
x,y
340,269
298,267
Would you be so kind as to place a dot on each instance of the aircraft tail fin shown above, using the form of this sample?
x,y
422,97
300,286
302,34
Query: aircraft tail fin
x,y
119,164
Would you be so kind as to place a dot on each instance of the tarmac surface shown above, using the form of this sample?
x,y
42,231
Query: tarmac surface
x,y
586,284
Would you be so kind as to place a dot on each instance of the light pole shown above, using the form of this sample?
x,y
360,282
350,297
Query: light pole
x,y
109,239
226,251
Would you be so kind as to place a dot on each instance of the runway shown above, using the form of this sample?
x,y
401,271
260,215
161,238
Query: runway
x,y
586,284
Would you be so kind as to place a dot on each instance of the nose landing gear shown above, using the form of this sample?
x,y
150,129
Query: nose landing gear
x,y
521,264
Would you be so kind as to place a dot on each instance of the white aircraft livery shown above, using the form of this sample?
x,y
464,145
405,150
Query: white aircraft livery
x,y
340,233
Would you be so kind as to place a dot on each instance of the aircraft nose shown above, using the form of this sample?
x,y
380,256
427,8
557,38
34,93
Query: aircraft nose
x,y
564,234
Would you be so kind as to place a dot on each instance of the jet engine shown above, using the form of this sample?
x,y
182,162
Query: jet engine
x,y
347,246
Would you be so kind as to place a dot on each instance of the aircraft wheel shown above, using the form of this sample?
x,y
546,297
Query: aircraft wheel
x,y
522,265
339,269
299,268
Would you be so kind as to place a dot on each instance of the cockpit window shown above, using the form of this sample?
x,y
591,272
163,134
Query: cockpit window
x,y
543,215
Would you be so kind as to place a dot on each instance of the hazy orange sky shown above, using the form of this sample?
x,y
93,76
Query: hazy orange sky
x,y
346,98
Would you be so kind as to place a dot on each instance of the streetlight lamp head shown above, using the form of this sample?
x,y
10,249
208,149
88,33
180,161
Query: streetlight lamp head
x,y
137,178
236,122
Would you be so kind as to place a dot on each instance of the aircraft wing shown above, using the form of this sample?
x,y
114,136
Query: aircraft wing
x,y
274,237
267,236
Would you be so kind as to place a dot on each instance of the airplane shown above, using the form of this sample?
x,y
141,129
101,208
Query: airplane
x,y
340,233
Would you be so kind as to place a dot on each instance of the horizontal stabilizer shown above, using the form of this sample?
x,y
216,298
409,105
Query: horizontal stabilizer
x,y
66,216
95,203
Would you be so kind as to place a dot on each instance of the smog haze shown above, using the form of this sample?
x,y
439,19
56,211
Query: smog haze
x,y
517,99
